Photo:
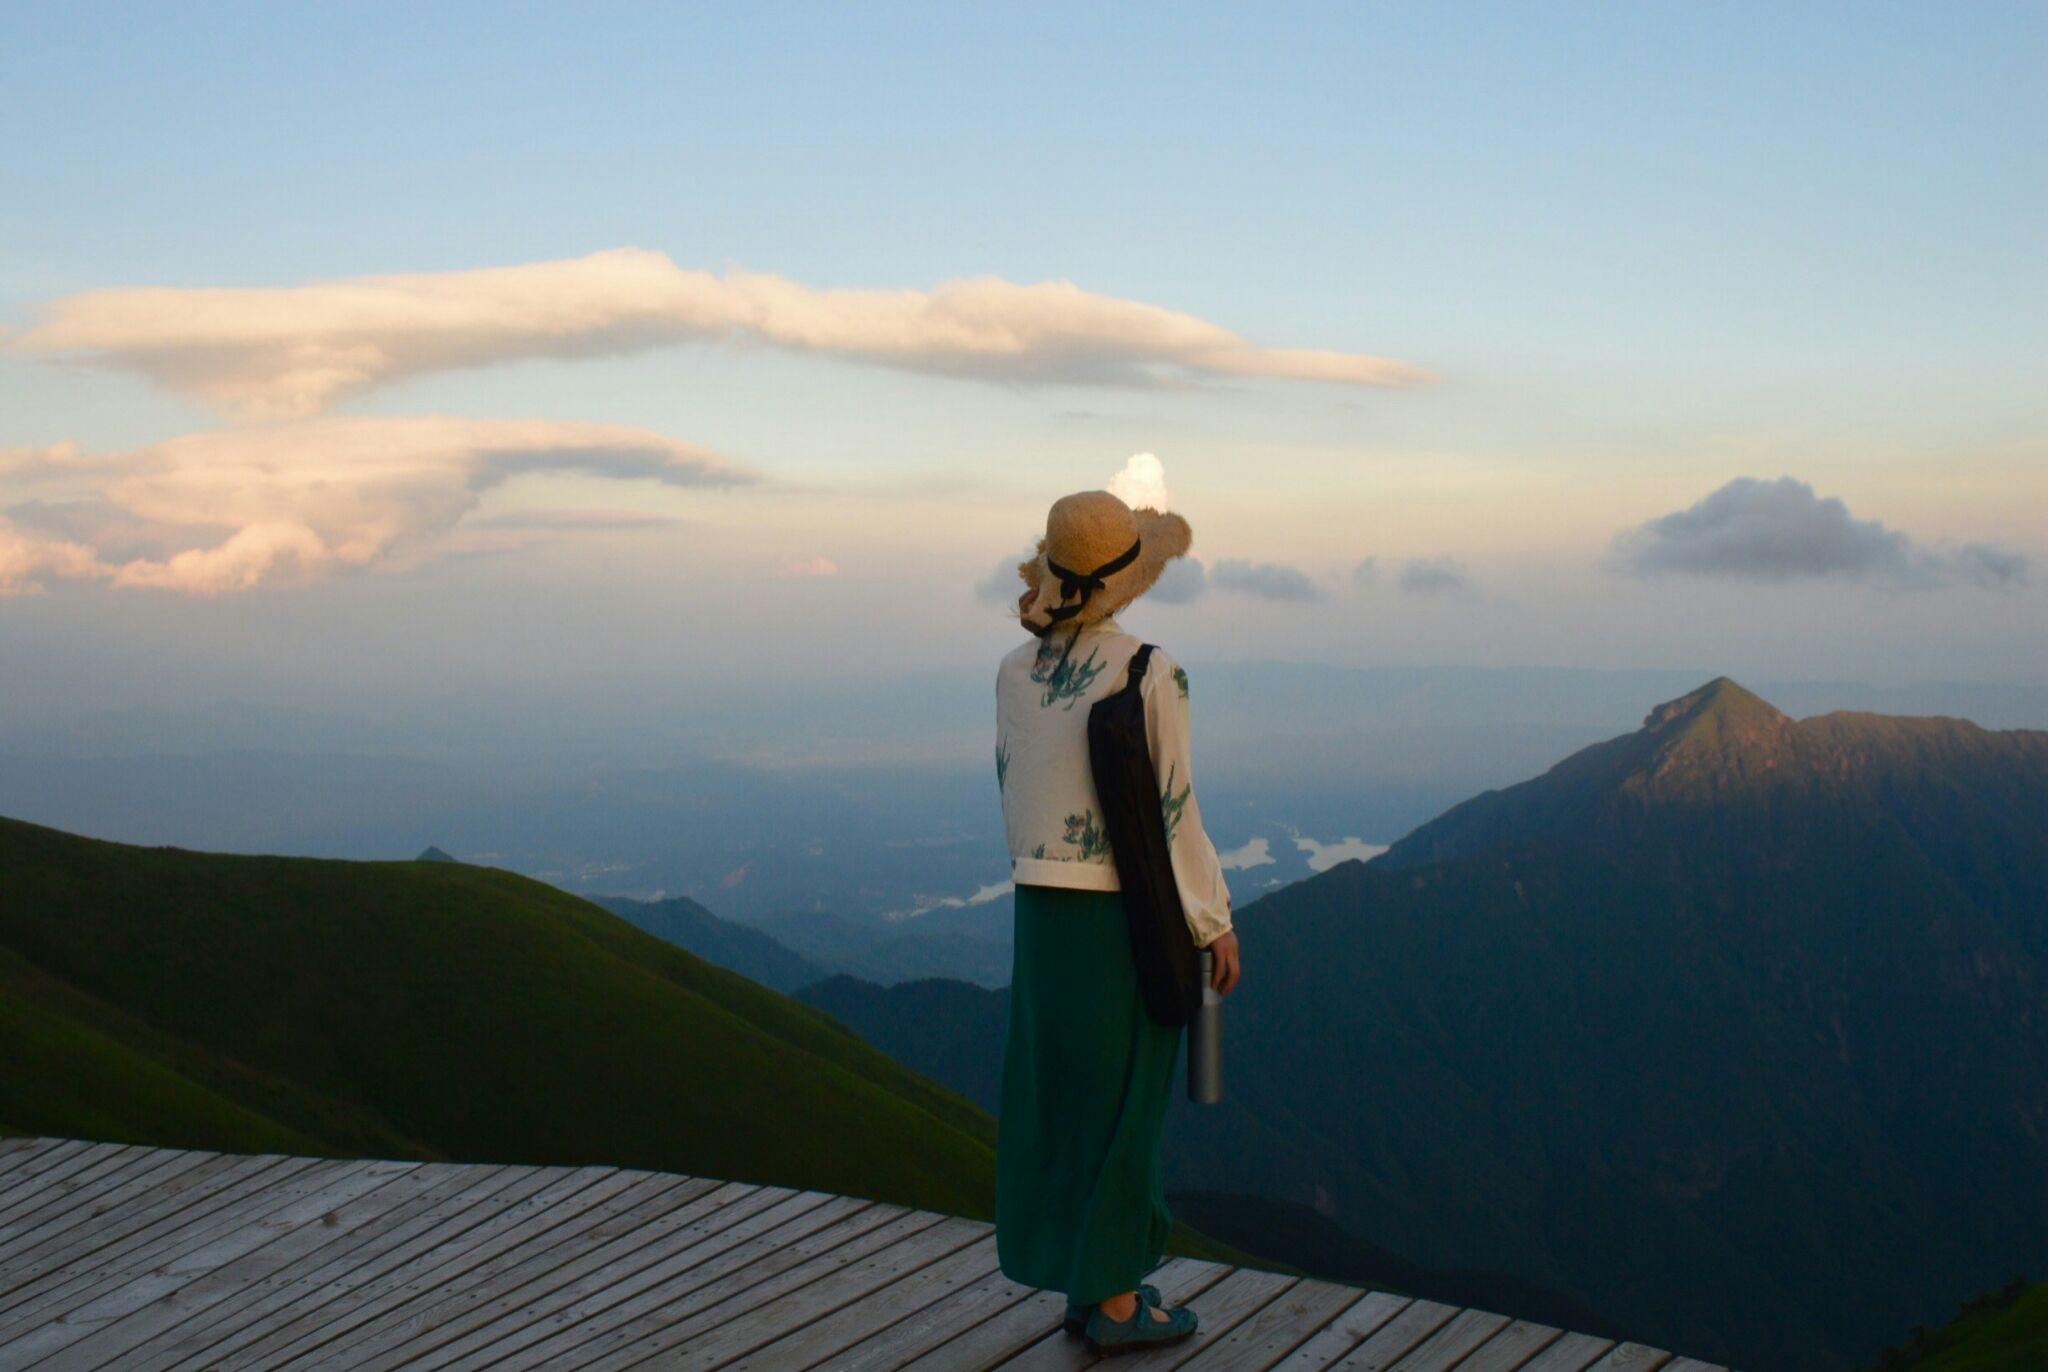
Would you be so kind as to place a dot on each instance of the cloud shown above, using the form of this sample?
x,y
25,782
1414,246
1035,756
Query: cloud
x,y
1433,576
1142,483
575,519
30,560
1323,856
1183,581
1980,564
924,905
1780,531
1366,572
1002,584
1266,580
230,510
812,566
1256,852
292,351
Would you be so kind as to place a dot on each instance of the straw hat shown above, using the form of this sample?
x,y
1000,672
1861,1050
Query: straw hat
x,y
1097,555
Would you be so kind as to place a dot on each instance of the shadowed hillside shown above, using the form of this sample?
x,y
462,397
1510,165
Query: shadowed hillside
x,y
429,1009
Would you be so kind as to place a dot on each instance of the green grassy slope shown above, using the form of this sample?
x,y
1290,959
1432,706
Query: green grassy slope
x,y
430,1010
2005,1331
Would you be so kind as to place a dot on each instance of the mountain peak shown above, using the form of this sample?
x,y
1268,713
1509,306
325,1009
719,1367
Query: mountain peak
x,y
1717,736
433,854
1721,702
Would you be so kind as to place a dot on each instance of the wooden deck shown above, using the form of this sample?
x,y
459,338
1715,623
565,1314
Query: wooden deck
x,y
124,1257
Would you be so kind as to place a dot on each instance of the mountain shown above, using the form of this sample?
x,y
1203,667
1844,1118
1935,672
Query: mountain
x,y
970,943
948,1030
422,1009
751,953
2002,1331
432,854
1731,1027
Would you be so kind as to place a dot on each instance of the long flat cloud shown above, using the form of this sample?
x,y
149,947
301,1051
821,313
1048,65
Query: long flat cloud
x,y
1782,530
234,509
293,351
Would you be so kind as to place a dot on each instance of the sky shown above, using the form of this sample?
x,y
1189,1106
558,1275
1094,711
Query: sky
x,y
372,355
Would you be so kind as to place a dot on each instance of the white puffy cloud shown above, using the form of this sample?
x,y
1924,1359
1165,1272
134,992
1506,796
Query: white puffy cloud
x,y
292,351
229,510
1142,483
1782,530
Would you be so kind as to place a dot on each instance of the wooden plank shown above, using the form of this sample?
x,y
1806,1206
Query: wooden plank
x,y
1511,1348
1572,1353
762,1221
1353,1325
57,1164
746,1287
1450,1345
1397,1336
782,1235
1267,1337
223,1324
1052,1349
1221,1309
20,1153
603,1278
35,1208
939,1323
97,1175
61,1267
524,1274
329,1294
793,1342
727,1337
85,1335
116,1255
1003,1335
1631,1357
64,1220
237,1262
108,1233
546,1197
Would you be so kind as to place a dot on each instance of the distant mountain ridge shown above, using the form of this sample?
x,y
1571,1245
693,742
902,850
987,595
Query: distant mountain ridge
x,y
750,952
1731,1027
1721,742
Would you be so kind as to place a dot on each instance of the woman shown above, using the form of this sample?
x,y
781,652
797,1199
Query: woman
x,y
1080,1207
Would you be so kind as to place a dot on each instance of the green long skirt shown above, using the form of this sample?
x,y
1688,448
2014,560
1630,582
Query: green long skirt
x,y
1080,1204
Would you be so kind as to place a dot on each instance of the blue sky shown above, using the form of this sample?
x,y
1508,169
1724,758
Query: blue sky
x,y
1646,252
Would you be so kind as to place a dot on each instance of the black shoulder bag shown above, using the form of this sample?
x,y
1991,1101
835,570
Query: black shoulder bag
x,y
1120,754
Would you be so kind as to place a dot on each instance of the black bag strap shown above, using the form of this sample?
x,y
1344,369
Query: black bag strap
x,y
1138,661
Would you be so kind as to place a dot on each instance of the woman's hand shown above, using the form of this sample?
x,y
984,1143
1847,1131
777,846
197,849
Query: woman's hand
x,y
1223,965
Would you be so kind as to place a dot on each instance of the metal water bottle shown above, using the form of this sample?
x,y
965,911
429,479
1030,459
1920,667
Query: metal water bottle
x,y
1205,1040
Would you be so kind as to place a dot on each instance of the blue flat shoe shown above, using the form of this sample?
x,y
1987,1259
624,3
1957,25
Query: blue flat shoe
x,y
1107,1337
1076,1321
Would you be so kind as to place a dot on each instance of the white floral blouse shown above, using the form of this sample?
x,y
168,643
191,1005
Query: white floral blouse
x,y
1050,810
